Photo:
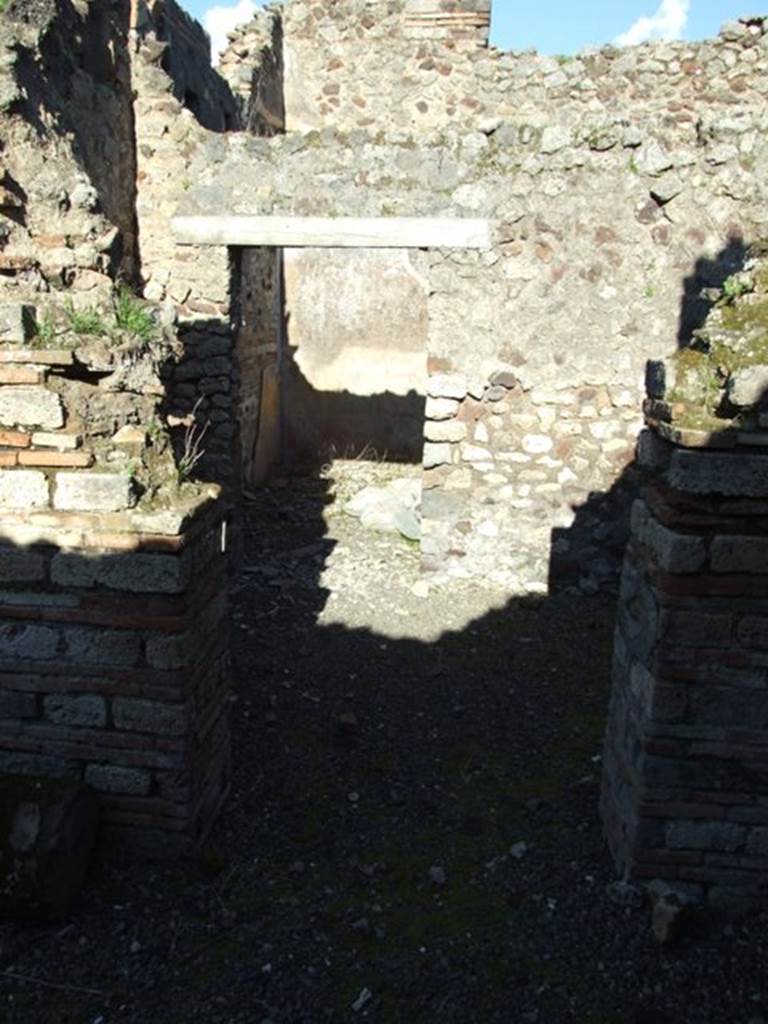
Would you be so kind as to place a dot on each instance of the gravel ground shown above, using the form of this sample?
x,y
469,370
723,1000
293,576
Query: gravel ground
x,y
412,833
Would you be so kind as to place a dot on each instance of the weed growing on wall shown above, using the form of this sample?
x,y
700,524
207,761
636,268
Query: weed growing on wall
x,y
128,315
132,316
736,286
192,450
87,321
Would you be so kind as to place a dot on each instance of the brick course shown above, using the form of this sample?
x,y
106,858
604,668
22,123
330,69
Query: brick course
x,y
685,790
115,670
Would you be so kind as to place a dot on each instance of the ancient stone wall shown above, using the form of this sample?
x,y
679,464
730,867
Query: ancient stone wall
x,y
185,57
623,175
602,246
220,378
353,64
253,67
67,217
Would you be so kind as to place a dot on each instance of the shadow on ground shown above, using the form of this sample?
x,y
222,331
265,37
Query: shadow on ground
x,y
412,833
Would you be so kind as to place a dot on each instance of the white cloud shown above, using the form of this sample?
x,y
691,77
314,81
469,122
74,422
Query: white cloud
x,y
668,22
217,21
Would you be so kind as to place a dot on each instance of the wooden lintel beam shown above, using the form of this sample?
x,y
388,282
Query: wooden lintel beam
x,y
335,232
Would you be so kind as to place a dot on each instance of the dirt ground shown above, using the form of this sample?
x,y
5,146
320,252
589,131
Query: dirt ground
x,y
412,833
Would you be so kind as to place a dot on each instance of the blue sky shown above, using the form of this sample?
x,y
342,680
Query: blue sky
x,y
563,26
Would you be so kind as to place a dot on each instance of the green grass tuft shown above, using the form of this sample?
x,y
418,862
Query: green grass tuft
x,y
86,321
132,316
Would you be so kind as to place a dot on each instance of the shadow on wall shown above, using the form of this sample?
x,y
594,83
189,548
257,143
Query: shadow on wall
x,y
696,302
600,530
318,425
88,48
364,766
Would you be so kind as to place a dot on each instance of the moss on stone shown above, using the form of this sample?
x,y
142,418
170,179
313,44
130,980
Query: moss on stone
x,y
733,338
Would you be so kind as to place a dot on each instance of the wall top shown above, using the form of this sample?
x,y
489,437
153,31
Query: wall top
x,y
448,19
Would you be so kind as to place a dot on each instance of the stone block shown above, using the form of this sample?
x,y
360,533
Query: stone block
x,y
148,716
93,492
674,552
554,138
652,451
436,455
30,407
739,554
23,488
537,444
748,386
757,843
48,830
752,631
441,408
722,706
447,385
474,453
105,647
17,322
505,379
134,572
28,642
715,473
170,652
447,430
712,836
86,710
60,441
652,159
111,778
20,565
17,705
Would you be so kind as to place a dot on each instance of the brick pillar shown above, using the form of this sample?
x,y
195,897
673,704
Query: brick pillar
x,y
462,20
685,786
114,664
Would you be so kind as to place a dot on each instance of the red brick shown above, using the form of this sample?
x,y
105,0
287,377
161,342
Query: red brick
x,y
719,797
20,375
38,356
696,585
56,460
149,805
113,816
665,748
8,458
696,628
14,439
84,617
675,809
653,869
729,752
671,857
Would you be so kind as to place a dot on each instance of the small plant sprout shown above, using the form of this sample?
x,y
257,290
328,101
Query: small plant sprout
x,y
737,285
46,331
132,316
192,451
85,321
